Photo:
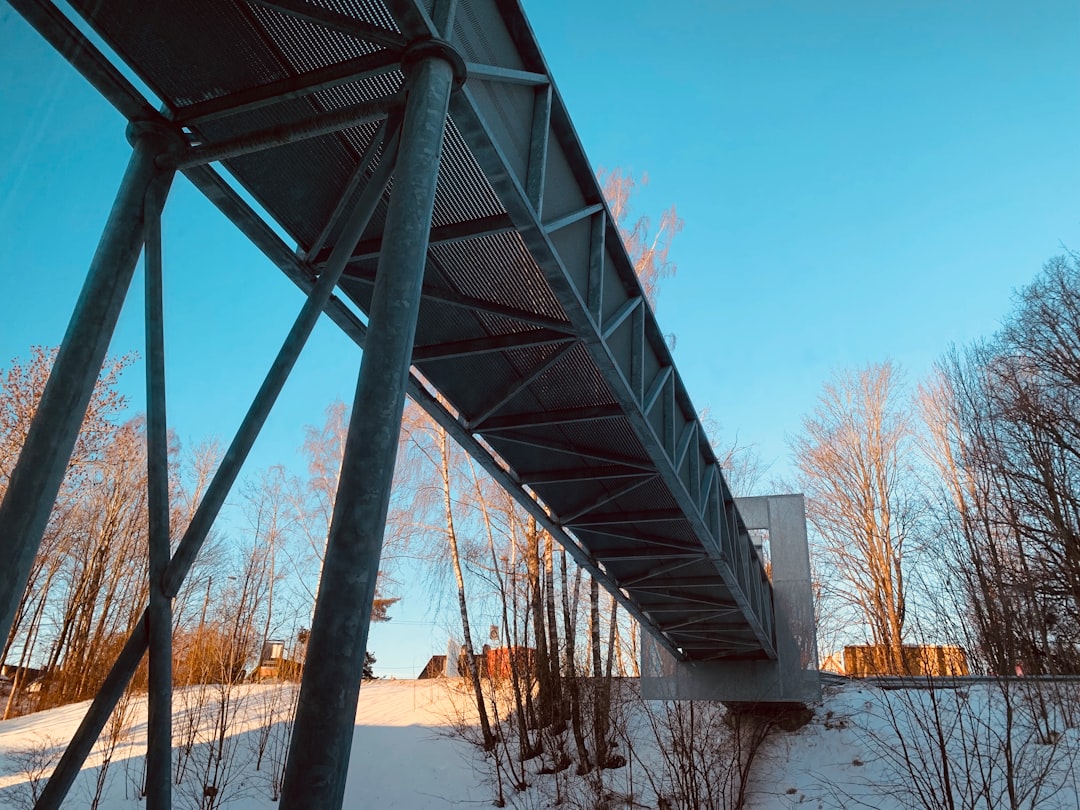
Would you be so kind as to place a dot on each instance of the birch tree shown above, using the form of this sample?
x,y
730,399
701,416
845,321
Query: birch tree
x,y
439,476
853,465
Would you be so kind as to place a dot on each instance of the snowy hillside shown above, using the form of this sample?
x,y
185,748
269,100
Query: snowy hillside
x,y
863,748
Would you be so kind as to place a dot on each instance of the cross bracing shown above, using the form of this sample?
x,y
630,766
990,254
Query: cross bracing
x,y
534,345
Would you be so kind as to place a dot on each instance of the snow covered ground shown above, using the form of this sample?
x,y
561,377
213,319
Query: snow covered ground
x,y
863,748
403,754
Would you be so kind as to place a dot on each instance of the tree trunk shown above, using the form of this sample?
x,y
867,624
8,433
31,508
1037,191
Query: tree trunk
x,y
451,536
559,708
544,698
526,749
572,677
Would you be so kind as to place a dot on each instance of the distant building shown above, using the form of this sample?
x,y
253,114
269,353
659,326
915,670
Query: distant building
x,y
866,660
493,662
9,672
435,668
833,662
273,665
501,662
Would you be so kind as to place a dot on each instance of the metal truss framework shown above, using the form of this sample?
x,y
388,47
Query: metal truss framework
x,y
525,333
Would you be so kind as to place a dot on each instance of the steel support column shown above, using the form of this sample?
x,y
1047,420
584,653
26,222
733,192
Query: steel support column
x,y
43,461
158,786
325,718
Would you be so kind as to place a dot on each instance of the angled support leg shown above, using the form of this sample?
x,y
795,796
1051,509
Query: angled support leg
x,y
43,461
325,717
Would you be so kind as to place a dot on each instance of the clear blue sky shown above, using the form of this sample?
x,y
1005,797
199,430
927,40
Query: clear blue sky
x,y
859,181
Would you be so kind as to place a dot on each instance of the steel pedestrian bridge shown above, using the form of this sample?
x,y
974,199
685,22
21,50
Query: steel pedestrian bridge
x,y
446,218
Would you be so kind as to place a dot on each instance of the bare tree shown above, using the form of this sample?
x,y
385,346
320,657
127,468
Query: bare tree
x,y
105,586
976,538
21,386
431,442
1005,418
648,249
272,521
852,460
313,505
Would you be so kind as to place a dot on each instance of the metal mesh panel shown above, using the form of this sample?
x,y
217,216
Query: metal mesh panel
x,y
499,268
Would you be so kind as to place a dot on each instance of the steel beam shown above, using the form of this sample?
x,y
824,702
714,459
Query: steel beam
x,y
38,473
521,384
443,13
644,556
615,320
271,137
661,590
656,387
662,570
594,286
605,499
636,518
567,220
289,88
536,175
455,299
584,474
319,751
638,537
668,588
543,419
544,443
734,610
494,73
685,442
708,486
487,345
636,379
358,176
158,775
706,617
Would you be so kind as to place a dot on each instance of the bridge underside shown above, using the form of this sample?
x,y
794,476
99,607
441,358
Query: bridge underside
x,y
532,328
463,230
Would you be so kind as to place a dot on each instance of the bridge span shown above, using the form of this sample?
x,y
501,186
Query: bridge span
x,y
444,215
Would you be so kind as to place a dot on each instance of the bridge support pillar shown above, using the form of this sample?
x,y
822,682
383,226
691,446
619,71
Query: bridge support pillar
x,y
326,711
792,678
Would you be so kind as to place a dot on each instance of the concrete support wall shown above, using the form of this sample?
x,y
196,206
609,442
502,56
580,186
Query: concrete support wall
x,y
793,676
